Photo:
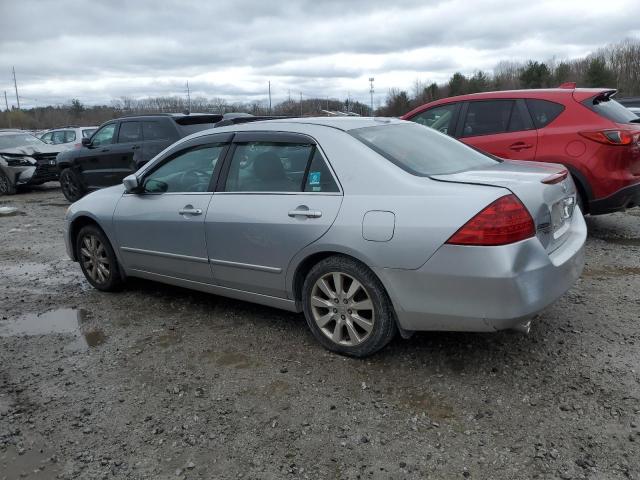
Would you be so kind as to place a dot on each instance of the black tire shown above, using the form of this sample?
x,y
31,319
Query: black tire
x,y
6,187
72,187
107,282
382,314
580,201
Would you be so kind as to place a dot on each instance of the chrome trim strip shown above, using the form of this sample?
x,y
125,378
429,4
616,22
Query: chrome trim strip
x,y
165,254
248,266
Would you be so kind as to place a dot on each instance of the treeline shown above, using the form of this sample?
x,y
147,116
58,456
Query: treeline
x,y
75,113
616,65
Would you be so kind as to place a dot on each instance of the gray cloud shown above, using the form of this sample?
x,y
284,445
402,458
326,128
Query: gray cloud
x,y
100,51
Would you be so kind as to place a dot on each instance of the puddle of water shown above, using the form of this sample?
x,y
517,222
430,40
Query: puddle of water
x,y
63,320
610,271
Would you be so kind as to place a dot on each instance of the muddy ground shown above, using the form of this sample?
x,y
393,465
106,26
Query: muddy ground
x,y
161,382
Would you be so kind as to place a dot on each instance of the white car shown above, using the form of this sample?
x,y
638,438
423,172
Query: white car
x,y
67,137
635,110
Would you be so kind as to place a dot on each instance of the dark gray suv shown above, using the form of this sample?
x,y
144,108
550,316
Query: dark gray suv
x,y
121,146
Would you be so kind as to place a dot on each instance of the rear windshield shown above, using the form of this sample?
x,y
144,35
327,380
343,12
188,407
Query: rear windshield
x,y
421,150
609,108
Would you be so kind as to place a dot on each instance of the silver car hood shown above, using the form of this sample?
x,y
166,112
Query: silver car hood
x,y
550,205
29,151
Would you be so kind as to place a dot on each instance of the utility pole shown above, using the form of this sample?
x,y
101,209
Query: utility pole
x,y
300,103
15,84
188,98
371,79
6,102
269,97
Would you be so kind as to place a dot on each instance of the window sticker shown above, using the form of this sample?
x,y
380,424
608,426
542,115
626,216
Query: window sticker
x,y
314,178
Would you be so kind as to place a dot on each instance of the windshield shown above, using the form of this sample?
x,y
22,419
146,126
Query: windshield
x,y
420,150
609,108
14,140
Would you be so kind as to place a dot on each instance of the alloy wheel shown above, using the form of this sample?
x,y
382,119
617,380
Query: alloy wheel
x,y
69,186
94,259
342,309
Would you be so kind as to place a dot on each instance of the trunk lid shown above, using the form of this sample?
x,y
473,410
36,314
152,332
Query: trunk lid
x,y
551,205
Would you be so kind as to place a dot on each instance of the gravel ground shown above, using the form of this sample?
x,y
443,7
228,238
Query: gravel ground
x,y
161,382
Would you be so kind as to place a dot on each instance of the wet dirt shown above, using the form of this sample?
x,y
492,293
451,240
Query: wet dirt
x,y
158,382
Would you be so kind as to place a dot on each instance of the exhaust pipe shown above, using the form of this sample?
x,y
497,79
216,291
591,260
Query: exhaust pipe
x,y
523,327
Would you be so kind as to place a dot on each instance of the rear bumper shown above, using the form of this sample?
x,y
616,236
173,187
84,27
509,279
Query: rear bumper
x,y
626,197
484,289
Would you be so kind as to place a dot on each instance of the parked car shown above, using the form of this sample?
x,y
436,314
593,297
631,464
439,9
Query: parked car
x,y
586,130
67,137
25,160
120,147
635,110
368,226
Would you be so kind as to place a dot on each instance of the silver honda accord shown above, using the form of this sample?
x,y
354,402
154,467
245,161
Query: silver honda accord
x,y
369,226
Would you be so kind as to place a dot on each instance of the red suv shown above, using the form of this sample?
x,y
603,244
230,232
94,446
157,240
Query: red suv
x,y
595,137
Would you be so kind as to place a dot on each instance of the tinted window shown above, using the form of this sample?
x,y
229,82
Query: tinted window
x,y
130,132
609,108
268,167
155,131
104,136
420,150
189,171
486,118
516,122
543,112
87,132
439,118
319,178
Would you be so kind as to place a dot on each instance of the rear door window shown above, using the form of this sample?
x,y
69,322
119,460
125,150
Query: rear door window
x,y
130,132
58,137
69,136
439,118
155,131
543,112
268,167
490,117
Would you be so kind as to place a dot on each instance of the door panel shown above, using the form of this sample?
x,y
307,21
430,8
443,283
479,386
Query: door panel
x,y
500,127
164,234
252,237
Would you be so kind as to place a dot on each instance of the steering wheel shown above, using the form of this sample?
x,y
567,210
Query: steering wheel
x,y
195,181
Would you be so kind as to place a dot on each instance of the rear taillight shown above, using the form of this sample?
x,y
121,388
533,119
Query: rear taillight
x,y
612,137
504,221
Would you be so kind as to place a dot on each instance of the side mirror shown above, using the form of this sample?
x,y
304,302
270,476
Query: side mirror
x,y
131,184
86,141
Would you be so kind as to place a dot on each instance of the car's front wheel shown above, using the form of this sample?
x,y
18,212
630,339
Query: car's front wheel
x,y
97,259
347,308
72,187
6,187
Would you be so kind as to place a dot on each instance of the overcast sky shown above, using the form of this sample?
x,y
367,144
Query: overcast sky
x,y
100,51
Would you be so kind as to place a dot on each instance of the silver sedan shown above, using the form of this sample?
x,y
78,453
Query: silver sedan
x,y
369,226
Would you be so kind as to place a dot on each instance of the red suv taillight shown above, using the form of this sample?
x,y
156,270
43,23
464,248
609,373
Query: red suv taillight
x,y
612,137
504,221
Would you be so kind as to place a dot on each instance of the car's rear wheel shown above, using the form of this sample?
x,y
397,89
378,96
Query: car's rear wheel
x,y
97,259
6,187
347,308
72,187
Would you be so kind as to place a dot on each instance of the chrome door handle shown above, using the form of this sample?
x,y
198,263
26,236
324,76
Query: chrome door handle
x,y
190,211
305,213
